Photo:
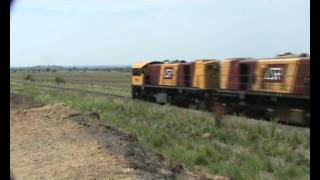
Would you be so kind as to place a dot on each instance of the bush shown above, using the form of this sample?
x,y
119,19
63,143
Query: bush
x,y
29,78
59,80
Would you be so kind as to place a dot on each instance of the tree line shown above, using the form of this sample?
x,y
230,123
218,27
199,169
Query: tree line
x,y
70,69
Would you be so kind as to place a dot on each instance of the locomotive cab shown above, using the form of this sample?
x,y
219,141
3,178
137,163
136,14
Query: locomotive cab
x,y
139,71
137,76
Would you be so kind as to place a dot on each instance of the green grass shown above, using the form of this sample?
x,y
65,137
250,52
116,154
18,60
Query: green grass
x,y
116,83
104,79
241,148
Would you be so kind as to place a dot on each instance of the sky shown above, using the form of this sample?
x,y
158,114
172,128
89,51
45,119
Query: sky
x,y
122,32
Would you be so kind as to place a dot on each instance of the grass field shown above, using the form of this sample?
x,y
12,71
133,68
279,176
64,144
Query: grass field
x,y
241,148
118,83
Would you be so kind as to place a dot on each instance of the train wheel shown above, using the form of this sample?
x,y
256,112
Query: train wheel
x,y
134,93
270,114
202,106
282,114
150,98
307,119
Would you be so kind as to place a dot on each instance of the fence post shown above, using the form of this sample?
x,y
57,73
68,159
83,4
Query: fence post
x,y
219,112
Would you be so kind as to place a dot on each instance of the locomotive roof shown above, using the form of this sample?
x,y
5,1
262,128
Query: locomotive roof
x,y
285,58
239,59
206,60
289,56
141,64
282,58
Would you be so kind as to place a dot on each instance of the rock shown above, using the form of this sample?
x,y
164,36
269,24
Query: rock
x,y
94,115
196,168
221,178
165,172
126,170
177,168
207,176
160,156
206,136
132,138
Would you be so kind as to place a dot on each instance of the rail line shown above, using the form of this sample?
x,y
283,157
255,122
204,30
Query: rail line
x,y
102,94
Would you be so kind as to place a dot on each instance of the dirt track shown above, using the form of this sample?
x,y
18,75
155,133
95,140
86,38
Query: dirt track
x,y
56,142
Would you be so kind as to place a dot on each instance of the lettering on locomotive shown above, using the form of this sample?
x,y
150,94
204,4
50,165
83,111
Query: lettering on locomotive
x,y
136,79
168,73
275,73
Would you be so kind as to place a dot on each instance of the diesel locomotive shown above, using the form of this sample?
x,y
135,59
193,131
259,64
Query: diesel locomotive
x,y
276,87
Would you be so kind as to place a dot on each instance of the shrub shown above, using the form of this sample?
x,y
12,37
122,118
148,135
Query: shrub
x,y
59,80
201,159
29,78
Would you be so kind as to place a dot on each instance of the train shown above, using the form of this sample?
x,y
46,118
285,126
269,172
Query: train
x,y
275,88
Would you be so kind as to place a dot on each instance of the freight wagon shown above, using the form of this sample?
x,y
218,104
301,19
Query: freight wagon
x,y
273,87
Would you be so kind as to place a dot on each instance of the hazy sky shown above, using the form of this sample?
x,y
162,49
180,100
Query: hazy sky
x,y
121,32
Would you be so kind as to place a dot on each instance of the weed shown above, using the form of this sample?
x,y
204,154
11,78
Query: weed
x,y
59,80
29,78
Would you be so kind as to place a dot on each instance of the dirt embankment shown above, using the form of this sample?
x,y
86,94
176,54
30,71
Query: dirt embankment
x,y
57,142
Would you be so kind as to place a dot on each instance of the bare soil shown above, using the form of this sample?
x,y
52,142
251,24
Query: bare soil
x,y
57,142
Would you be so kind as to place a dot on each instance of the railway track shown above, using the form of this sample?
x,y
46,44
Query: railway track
x,y
103,94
